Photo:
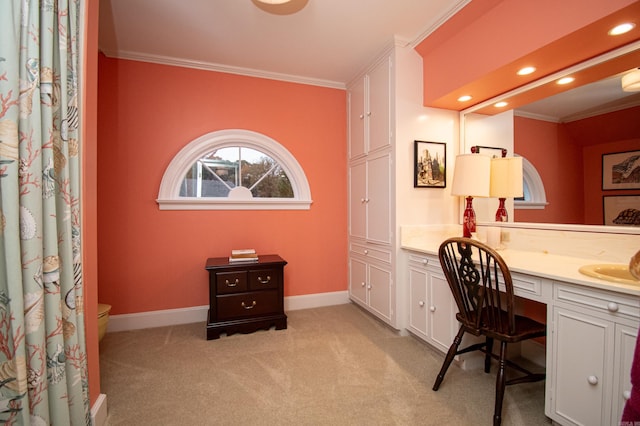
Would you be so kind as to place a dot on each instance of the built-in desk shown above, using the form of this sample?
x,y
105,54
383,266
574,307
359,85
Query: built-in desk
x,y
591,326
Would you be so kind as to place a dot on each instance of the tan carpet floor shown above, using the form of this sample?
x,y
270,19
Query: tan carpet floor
x,y
332,366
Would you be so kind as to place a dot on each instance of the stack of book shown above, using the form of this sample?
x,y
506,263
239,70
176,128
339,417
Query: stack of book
x,y
243,255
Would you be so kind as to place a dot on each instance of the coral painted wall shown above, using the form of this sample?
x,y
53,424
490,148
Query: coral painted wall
x,y
571,153
154,260
559,162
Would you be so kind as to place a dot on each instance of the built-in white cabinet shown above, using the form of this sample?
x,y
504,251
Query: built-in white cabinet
x,y
432,310
371,204
593,336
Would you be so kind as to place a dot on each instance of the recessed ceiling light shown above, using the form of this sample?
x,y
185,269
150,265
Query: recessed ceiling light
x,y
565,80
621,29
526,70
501,104
464,98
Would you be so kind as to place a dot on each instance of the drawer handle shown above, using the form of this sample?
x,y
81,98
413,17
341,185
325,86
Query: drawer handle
x,y
253,305
612,307
264,281
593,380
235,283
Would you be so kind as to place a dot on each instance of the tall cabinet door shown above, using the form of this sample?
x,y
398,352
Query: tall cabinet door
x,y
582,372
379,198
358,200
379,114
357,118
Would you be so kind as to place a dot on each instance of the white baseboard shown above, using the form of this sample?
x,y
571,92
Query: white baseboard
x,y
199,313
99,411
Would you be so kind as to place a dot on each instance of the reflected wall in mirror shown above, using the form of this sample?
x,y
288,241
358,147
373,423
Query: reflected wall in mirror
x,y
564,137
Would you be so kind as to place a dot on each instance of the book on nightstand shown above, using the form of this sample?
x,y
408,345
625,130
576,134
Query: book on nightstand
x,y
243,255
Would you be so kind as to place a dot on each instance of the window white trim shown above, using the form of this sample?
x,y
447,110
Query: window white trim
x,y
536,188
168,195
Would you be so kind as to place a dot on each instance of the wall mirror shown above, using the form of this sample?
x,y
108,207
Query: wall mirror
x,y
563,129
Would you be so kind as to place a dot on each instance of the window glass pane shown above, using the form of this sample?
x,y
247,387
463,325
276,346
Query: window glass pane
x,y
218,172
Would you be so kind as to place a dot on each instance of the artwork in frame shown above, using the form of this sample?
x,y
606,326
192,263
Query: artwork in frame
x,y
621,170
489,151
430,165
621,210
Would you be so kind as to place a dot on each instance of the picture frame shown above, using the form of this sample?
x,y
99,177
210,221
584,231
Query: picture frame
x,y
621,210
430,164
621,170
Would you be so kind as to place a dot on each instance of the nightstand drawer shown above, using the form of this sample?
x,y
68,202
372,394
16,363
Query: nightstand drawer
x,y
253,303
264,279
231,282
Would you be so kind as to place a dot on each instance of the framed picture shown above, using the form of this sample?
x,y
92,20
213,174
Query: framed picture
x,y
621,170
621,210
430,165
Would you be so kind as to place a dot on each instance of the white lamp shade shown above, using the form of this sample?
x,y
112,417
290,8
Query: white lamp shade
x,y
274,1
471,175
506,177
631,81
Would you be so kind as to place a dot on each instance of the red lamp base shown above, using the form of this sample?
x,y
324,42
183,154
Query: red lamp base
x,y
501,213
469,219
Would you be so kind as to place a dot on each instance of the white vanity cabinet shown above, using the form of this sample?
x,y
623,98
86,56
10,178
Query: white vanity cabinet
x,y
370,280
432,310
592,342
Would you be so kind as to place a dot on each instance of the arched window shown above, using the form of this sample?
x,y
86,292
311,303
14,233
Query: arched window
x,y
535,196
234,170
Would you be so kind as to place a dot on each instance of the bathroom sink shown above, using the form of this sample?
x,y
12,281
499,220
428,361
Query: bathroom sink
x,y
617,273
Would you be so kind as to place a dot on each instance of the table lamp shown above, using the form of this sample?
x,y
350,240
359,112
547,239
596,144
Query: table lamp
x,y
471,178
506,181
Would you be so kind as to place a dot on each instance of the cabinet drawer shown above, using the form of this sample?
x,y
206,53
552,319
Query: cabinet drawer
x,y
372,252
264,279
249,304
600,301
231,282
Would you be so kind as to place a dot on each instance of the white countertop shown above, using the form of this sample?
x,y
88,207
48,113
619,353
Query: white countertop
x,y
541,264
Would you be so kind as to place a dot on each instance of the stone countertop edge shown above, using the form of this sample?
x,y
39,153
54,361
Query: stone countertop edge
x,y
540,264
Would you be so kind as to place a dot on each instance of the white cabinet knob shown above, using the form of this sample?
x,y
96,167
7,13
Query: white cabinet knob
x,y
626,395
421,303
612,307
369,114
369,287
366,252
361,116
432,308
362,200
425,261
362,284
593,380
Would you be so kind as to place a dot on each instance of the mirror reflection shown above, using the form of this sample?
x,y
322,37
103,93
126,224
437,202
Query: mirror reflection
x,y
567,141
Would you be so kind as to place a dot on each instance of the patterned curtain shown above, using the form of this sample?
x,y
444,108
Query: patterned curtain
x,y
43,360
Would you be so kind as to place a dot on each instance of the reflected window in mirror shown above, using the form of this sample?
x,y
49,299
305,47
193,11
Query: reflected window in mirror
x,y
534,194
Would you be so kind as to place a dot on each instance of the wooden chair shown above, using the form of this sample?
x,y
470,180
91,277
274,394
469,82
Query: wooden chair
x,y
483,290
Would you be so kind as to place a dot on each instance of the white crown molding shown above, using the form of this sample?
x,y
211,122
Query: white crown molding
x,y
439,22
207,66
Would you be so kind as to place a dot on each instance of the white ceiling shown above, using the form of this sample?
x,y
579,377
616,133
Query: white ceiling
x,y
585,101
328,42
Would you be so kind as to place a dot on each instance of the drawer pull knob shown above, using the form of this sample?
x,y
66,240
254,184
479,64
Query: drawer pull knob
x,y
235,283
425,261
421,303
362,284
612,307
253,304
432,308
264,281
593,380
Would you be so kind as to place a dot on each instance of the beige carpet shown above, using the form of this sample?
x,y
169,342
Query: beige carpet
x,y
332,366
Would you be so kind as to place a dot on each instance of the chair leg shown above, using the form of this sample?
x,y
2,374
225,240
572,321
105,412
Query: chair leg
x,y
500,385
487,357
447,360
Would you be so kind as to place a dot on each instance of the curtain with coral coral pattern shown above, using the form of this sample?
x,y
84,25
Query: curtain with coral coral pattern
x,y
43,362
